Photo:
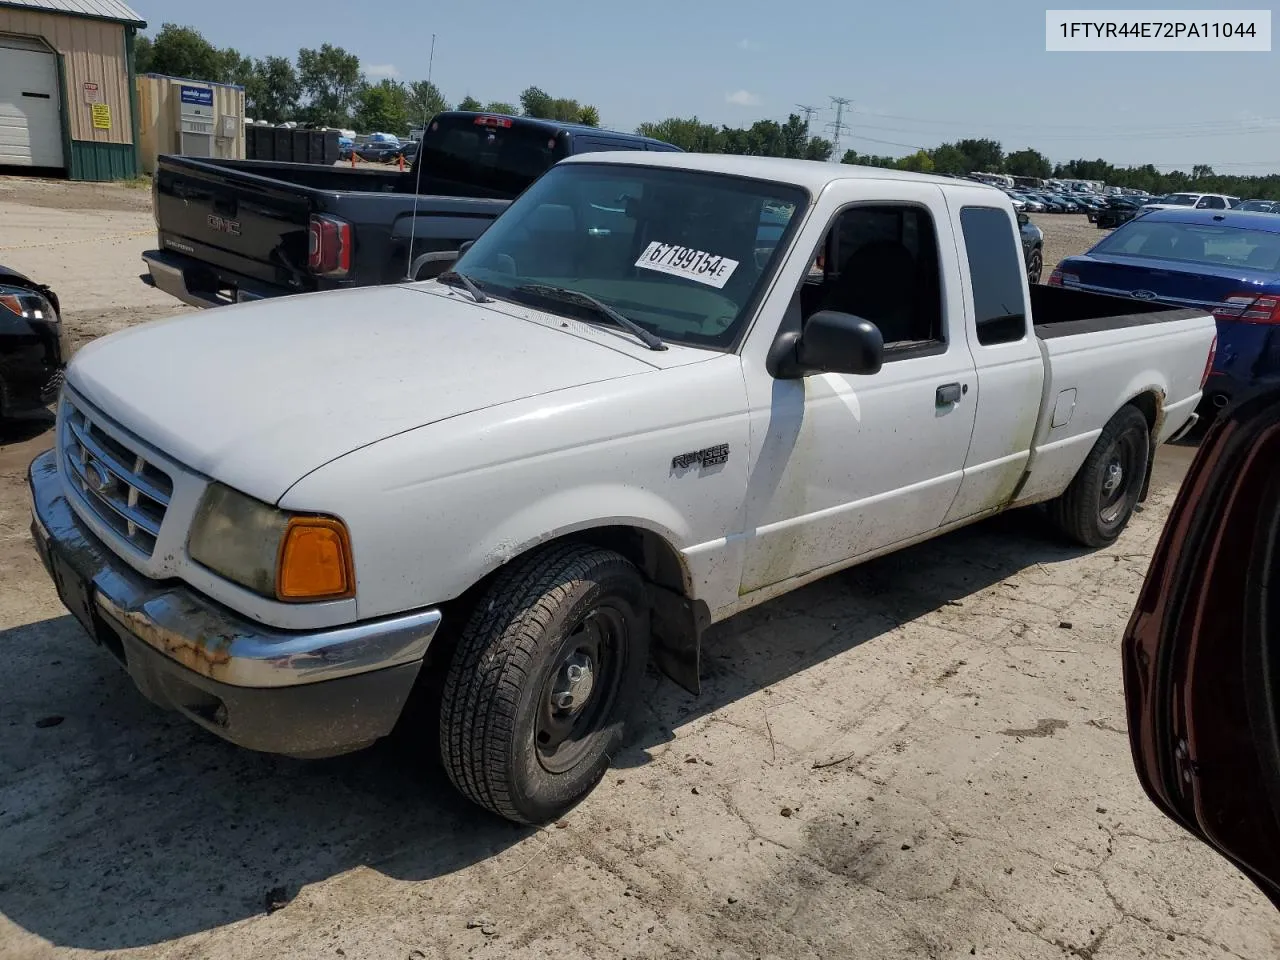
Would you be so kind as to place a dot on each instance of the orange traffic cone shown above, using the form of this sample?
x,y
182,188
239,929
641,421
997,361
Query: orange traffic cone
x,y
353,159
401,163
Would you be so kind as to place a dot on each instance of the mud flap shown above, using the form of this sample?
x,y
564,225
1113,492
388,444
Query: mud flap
x,y
678,624
1146,481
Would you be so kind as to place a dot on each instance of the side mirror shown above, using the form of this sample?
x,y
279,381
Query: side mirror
x,y
464,247
1023,218
831,342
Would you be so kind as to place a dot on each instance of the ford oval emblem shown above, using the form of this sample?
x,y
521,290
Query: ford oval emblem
x,y
1143,294
98,477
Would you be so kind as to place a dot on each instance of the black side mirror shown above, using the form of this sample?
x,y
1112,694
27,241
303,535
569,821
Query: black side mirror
x,y
831,342
1023,218
464,247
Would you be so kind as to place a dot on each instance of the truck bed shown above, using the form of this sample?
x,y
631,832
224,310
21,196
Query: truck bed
x,y
1101,352
339,178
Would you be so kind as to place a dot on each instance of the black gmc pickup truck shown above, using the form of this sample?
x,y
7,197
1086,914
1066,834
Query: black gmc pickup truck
x,y
234,230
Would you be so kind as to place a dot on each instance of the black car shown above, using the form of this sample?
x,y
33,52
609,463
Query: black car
x,y
1117,211
33,344
1032,247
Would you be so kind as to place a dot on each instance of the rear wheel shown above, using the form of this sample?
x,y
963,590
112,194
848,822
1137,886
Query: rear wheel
x,y
1035,266
1097,505
545,673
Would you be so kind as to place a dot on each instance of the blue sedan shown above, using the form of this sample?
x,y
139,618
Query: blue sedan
x,y
1223,261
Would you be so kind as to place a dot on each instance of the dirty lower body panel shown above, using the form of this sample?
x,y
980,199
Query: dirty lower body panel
x,y
338,708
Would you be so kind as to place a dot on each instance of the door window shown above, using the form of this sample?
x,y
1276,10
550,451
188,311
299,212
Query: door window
x,y
882,266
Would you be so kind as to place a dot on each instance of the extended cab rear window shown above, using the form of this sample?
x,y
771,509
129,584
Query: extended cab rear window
x,y
496,153
1213,244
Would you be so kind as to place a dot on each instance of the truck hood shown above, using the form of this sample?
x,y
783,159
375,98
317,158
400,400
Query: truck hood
x,y
257,395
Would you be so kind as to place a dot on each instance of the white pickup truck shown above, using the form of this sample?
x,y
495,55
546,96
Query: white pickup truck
x,y
635,408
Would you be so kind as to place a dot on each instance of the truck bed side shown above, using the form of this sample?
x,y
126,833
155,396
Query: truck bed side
x,y
1100,353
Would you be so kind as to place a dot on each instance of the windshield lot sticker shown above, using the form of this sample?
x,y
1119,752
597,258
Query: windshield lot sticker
x,y
686,262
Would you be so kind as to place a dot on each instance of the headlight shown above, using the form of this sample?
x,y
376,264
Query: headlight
x,y
285,556
22,303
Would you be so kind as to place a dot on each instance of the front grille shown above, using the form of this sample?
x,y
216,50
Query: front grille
x,y
116,482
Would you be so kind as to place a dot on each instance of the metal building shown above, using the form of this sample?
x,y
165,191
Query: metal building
x,y
68,94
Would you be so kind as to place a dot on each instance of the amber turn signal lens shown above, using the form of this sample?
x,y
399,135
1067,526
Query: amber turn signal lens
x,y
315,561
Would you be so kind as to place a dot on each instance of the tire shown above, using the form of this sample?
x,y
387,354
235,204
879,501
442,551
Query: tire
x,y
505,743
1097,505
1035,266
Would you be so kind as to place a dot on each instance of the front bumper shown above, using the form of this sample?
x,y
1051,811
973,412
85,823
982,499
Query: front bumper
x,y
308,694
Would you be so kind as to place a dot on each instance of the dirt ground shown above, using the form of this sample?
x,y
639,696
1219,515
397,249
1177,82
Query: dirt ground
x,y
922,757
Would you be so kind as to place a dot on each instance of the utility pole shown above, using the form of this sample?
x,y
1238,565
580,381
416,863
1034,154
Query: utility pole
x,y
837,127
808,116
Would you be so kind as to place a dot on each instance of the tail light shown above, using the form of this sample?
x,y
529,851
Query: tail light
x,y
493,122
329,246
1208,364
1250,307
1059,279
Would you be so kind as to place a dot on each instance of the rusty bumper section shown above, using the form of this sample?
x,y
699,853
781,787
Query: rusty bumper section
x,y
314,693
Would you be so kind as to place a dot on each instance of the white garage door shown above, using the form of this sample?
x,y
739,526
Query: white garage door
x,y
30,125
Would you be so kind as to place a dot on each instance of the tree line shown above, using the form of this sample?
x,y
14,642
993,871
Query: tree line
x,y
328,88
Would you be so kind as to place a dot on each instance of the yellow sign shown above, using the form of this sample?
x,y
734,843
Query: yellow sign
x,y
101,116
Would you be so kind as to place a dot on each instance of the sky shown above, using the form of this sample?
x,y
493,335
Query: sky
x,y
915,73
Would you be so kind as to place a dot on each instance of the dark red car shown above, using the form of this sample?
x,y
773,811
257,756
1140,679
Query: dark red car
x,y
1202,649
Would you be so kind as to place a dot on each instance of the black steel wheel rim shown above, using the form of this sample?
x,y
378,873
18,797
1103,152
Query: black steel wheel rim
x,y
577,699
1118,467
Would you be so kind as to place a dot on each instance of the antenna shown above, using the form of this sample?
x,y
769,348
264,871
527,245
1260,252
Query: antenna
x,y
808,116
417,172
837,127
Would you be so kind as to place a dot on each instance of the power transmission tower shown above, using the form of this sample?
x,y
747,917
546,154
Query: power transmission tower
x,y
808,116
837,126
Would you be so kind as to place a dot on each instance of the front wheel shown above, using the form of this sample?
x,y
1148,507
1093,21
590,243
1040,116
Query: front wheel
x,y
546,670
1097,505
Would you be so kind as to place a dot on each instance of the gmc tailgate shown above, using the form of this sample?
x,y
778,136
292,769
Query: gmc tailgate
x,y
231,235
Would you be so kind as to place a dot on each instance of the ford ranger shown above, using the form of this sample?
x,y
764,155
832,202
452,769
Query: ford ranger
x,y
235,230
625,414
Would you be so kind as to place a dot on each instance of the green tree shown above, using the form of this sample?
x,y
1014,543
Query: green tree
x,y
183,52
423,100
867,160
1028,163
818,149
947,158
689,134
470,103
918,162
794,137
536,102
982,155
499,106
588,115
142,54
272,90
330,78
382,108
1201,171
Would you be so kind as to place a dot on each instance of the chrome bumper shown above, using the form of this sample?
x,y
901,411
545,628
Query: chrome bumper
x,y
200,634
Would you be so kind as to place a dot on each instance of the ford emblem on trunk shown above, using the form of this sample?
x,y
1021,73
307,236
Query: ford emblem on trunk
x,y
223,225
1143,295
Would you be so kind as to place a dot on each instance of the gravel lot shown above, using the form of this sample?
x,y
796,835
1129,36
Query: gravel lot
x,y
923,757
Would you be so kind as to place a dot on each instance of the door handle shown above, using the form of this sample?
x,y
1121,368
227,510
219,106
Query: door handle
x,y
948,394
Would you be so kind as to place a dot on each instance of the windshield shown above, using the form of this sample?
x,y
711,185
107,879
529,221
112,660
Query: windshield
x,y
1258,206
496,153
684,254
1196,243
1181,199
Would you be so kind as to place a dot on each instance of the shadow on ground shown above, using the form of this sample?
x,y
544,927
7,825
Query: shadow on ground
x,y
121,825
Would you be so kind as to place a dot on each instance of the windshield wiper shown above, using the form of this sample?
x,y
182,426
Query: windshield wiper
x,y
650,340
453,278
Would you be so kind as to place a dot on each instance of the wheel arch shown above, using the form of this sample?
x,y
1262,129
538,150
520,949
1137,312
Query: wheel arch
x,y
678,617
1150,403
